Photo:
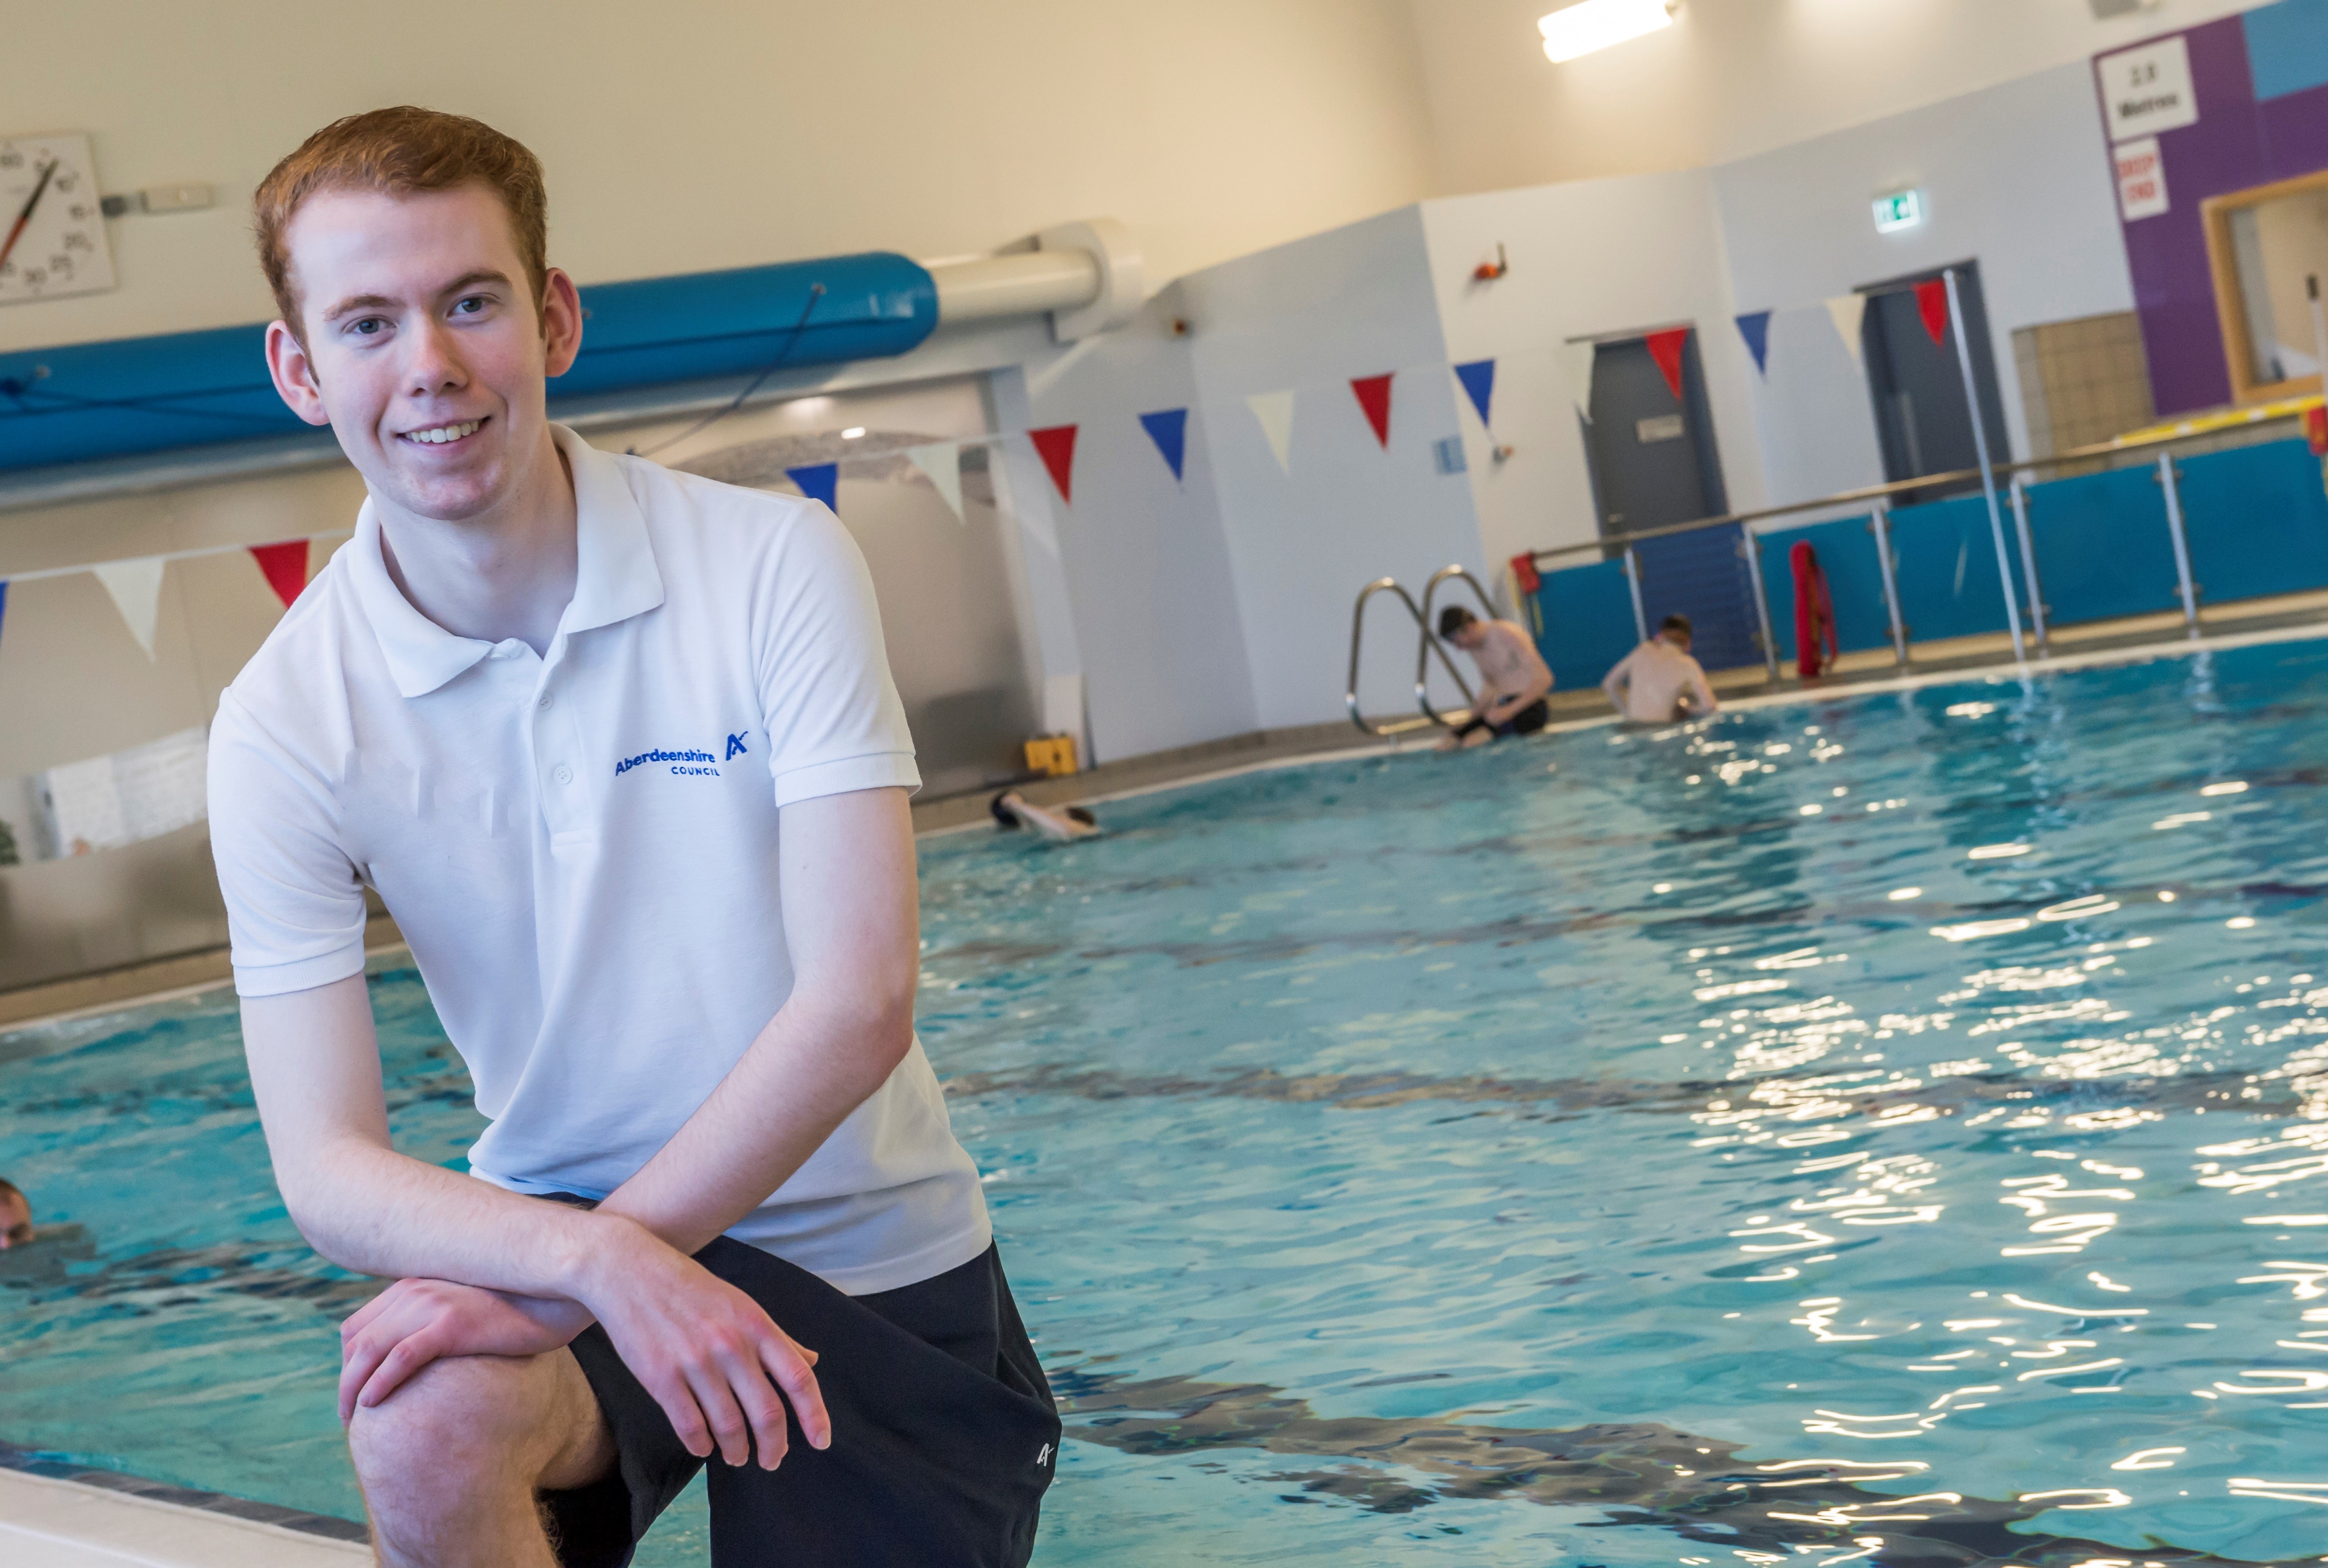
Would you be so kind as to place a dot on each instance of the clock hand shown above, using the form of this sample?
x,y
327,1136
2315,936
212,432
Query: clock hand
x,y
24,217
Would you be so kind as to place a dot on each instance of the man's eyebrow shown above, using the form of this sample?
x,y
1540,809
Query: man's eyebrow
x,y
355,302
471,279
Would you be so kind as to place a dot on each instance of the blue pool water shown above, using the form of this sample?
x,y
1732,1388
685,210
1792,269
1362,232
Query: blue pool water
x,y
1888,1129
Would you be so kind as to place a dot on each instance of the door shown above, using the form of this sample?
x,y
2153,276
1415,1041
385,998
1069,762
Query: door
x,y
1923,421
1655,463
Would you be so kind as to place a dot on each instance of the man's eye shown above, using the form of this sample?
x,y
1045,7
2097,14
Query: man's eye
x,y
367,326
469,307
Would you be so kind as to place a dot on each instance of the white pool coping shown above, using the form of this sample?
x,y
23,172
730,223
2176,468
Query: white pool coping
x,y
49,1522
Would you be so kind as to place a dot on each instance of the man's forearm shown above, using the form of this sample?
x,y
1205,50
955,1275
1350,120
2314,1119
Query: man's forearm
x,y
803,1075
378,1212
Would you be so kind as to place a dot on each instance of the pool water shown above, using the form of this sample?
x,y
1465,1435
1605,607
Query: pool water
x,y
1887,1129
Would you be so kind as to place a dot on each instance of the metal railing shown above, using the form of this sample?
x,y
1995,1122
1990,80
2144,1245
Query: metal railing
x,y
1427,649
1879,500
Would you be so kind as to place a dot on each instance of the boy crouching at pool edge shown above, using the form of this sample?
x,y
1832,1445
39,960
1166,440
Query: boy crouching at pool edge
x,y
718,1212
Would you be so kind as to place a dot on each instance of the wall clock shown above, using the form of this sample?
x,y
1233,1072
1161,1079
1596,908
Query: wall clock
x,y
53,237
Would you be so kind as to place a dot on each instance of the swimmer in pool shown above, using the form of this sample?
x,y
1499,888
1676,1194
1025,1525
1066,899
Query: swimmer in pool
x,y
1014,811
16,1216
1659,682
1514,679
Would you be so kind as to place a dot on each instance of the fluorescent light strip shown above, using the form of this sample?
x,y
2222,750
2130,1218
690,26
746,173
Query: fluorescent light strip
x,y
1596,25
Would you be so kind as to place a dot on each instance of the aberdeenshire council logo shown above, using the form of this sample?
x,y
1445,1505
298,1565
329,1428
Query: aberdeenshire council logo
x,y
683,762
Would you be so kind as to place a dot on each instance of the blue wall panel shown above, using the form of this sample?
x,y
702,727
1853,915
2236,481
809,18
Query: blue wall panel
x,y
1854,583
1587,623
1947,570
2257,521
2102,546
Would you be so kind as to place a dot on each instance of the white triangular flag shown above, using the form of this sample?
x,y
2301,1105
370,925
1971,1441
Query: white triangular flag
x,y
136,590
940,464
1275,412
1576,360
1846,309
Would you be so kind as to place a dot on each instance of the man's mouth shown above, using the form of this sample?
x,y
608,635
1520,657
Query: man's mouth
x,y
443,435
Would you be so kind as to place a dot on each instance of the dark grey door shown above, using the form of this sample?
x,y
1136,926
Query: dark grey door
x,y
1921,418
1655,463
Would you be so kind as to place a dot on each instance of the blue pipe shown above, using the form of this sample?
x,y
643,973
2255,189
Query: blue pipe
x,y
201,389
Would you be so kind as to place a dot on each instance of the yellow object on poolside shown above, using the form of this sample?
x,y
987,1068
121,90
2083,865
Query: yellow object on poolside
x,y
2221,419
1052,754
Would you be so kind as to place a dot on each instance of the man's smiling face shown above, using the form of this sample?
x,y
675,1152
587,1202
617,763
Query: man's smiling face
x,y
422,344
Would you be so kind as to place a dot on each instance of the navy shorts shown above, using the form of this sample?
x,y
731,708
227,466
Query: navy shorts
x,y
943,1433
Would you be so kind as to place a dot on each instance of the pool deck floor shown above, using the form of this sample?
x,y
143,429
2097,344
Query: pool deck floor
x,y
56,1522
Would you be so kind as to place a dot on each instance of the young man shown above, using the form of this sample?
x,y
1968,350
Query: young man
x,y
1659,682
619,749
1514,679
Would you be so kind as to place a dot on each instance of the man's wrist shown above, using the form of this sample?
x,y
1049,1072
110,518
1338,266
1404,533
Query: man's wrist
x,y
597,1250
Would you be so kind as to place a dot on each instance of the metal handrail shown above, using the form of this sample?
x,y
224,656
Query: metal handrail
x,y
1885,493
1430,644
1431,716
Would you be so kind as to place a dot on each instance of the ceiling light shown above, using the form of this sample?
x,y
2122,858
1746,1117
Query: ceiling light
x,y
1594,25
853,432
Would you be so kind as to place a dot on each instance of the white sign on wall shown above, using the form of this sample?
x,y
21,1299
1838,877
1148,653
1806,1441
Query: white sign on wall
x,y
2147,90
2141,179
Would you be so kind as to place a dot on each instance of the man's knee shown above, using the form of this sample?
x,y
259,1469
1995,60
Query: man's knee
x,y
465,1424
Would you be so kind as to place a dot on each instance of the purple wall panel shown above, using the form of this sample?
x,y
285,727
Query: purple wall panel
x,y
2295,132
2174,288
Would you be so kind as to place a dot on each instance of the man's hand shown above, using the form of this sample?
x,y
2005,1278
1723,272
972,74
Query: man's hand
x,y
415,1321
706,1351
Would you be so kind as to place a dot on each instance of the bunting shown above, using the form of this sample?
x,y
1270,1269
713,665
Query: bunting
x,y
940,464
1577,359
1755,328
136,589
285,567
1666,347
819,481
1373,397
1933,305
1168,428
1845,311
1275,412
1057,446
1478,379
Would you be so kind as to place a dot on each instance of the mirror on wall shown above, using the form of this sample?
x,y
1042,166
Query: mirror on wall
x,y
2267,246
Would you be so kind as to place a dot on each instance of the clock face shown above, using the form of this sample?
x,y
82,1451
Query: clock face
x,y
51,231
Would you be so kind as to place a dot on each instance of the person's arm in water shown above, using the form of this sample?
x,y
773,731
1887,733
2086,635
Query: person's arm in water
x,y
1520,675
483,1272
1618,683
1697,695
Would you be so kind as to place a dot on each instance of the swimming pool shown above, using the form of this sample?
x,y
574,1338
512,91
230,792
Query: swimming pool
x,y
1889,1128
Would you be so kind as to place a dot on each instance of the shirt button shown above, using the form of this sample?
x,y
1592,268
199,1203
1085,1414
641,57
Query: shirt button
x,y
564,774
545,700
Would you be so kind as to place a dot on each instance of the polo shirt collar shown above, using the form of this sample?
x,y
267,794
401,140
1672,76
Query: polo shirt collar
x,y
616,576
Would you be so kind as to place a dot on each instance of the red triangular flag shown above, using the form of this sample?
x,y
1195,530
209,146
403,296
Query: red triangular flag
x,y
1373,397
285,566
1933,305
1057,446
1665,347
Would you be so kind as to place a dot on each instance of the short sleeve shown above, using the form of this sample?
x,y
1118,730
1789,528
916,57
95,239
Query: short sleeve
x,y
830,711
294,905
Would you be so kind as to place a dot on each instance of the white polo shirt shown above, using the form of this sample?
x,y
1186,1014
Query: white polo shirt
x,y
581,847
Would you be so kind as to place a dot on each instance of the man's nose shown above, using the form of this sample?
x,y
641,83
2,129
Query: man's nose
x,y
434,365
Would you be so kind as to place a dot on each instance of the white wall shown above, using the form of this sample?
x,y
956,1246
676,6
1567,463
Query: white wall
x,y
1155,606
2015,176
1309,316
1731,77
1591,259
724,133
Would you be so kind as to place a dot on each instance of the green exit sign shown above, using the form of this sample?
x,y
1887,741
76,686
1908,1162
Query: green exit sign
x,y
1899,209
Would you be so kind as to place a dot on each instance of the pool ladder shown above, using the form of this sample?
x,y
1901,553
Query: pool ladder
x,y
1427,648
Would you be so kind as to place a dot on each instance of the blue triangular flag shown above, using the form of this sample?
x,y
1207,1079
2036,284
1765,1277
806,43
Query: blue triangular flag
x,y
1479,379
819,481
1755,329
1168,428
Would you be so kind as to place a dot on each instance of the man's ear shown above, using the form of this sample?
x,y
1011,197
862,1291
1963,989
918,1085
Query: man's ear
x,y
561,323
295,374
